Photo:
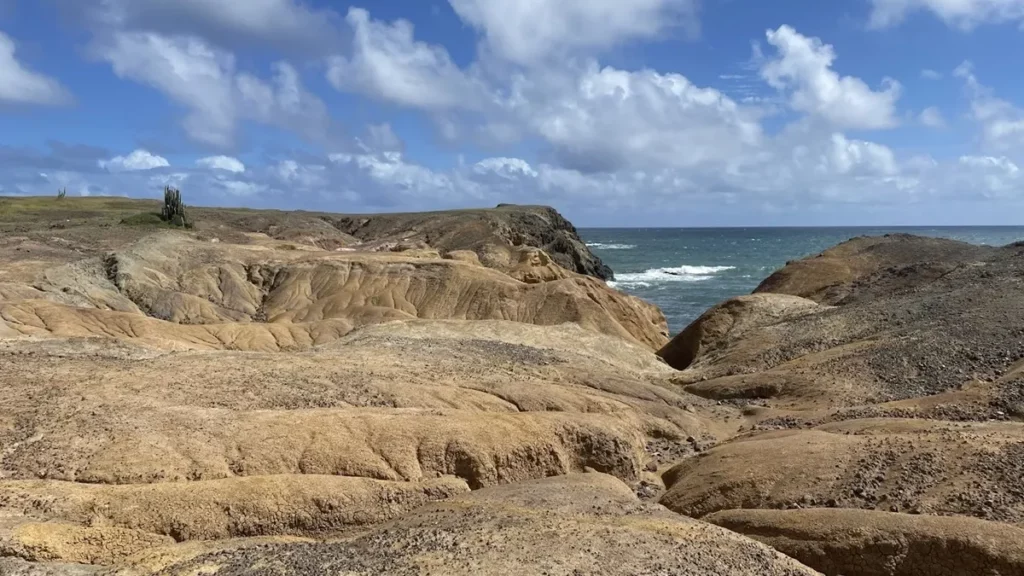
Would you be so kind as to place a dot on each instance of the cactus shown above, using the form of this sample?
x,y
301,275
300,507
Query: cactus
x,y
62,193
173,211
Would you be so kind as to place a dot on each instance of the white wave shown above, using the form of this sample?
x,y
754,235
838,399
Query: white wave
x,y
600,246
677,274
625,284
696,270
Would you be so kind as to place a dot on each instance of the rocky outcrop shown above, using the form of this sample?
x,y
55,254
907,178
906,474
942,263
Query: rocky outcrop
x,y
210,444
487,402
904,465
899,332
859,543
880,378
495,235
299,393
93,226
730,322
248,381
121,520
584,524
214,292
877,265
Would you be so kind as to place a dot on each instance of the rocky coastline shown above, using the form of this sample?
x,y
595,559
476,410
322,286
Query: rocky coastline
x,y
292,393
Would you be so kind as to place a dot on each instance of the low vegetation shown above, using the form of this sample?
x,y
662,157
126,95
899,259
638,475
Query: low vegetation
x,y
173,211
143,219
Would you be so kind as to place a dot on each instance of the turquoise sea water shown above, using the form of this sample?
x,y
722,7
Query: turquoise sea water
x,y
685,271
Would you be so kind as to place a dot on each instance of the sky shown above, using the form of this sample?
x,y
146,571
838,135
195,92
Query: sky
x,y
647,113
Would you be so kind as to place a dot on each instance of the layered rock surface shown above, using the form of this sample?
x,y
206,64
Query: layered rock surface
x,y
883,383
298,393
215,292
585,524
171,390
883,544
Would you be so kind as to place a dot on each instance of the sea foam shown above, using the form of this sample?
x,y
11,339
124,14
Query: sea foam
x,y
600,246
657,275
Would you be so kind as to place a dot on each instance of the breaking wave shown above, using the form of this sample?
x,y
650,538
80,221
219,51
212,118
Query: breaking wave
x,y
600,246
658,275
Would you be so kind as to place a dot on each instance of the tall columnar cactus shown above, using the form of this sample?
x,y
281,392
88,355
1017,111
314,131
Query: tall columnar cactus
x,y
173,211
62,193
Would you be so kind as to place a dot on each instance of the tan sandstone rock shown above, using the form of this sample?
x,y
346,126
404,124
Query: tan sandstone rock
x,y
588,524
861,543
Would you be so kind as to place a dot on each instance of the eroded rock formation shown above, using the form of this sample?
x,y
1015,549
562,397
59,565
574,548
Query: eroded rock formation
x,y
296,393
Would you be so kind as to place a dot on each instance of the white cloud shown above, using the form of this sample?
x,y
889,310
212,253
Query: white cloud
x,y
803,70
507,168
390,170
561,127
932,118
284,102
292,173
845,156
965,14
21,85
1000,177
1001,122
1001,164
225,163
527,32
388,63
806,166
381,137
203,79
929,74
800,174
601,119
137,160
590,118
239,187
161,179
188,71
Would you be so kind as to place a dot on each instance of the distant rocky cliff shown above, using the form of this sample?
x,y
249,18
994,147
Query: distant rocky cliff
x,y
496,234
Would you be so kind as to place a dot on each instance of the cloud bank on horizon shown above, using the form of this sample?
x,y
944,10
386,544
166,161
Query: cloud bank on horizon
x,y
642,113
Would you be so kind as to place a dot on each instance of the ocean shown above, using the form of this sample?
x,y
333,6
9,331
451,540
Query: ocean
x,y
685,271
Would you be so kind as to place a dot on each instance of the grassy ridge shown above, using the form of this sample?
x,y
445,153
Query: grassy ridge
x,y
49,207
